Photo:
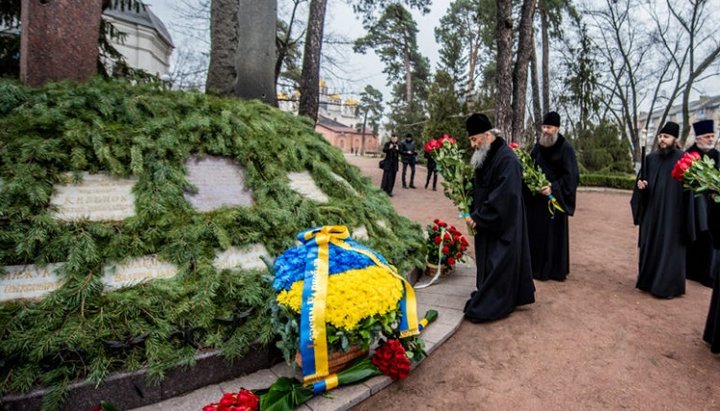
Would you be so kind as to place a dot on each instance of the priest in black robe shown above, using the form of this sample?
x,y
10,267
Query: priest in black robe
x,y
504,277
549,235
703,261
663,210
711,335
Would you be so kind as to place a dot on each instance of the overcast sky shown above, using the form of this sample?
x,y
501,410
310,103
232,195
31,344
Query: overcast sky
x,y
340,19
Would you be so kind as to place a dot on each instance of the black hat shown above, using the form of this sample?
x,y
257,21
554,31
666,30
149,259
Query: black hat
x,y
670,128
703,127
551,119
477,123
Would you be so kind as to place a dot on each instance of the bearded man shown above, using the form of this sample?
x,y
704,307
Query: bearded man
x,y
703,261
497,213
549,238
662,209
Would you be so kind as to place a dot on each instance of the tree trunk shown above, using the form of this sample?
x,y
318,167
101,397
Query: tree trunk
x,y
545,60
362,137
408,77
520,72
310,78
222,73
255,59
537,107
503,116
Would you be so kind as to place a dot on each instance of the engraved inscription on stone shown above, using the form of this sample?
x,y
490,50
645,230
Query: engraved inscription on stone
x,y
97,197
345,183
219,182
246,258
303,184
28,281
360,233
137,270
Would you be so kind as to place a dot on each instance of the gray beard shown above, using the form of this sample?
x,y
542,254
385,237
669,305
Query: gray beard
x,y
479,156
548,140
704,147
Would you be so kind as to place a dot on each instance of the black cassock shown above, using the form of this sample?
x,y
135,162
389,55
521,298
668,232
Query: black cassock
x,y
712,326
504,277
703,262
664,213
549,240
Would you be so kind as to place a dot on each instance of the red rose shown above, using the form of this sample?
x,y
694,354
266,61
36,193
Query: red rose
x,y
445,250
437,240
436,228
210,407
436,221
228,399
248,399
458,255
514,145
451,261
443,224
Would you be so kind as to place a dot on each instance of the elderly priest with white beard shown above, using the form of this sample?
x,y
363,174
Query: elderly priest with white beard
x,y
497,213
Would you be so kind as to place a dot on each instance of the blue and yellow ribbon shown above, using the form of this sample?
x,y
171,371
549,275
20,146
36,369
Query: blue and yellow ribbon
x,y
553,205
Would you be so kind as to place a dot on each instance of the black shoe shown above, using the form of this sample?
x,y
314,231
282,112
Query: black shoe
x,y
404,186
434,189
390,195
412,186
426,186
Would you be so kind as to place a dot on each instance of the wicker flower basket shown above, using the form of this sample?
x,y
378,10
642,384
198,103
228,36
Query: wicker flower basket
x,y
431,269
338,360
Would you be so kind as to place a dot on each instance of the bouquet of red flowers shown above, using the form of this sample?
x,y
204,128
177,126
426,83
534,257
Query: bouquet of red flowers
x,y
445,244
456,172
391,360
698,175
244,400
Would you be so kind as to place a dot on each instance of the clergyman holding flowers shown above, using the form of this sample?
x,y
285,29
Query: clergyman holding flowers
x,y
497,213
548,232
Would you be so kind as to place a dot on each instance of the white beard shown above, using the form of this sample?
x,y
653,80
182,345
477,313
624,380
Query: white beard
x,y
705,147
547,140
479,155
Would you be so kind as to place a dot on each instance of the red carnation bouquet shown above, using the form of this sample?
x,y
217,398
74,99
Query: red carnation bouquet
x,y
445,244
456,172
244,400
391,360
698,174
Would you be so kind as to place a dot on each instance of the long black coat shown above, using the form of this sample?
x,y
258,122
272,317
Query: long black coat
x,y
703,262
664,211
549,237
711,335
504,276
391,157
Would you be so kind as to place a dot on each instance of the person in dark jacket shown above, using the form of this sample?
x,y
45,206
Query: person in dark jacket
x,y
549,234
390,167
431,171
497,213
408,154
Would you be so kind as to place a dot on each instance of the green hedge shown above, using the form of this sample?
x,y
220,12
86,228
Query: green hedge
x,y
623,181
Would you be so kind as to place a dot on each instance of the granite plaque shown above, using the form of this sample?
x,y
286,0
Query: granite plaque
x,y
360,233
97,197
220,182
345,183
28,281
135,271
303,184
246,258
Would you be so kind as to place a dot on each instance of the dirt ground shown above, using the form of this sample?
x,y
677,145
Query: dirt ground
x,y
591,342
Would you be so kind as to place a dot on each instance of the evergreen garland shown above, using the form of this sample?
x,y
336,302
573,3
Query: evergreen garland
x,y
142,131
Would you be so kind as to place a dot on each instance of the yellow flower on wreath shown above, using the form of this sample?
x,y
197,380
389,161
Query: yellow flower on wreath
x,y
352,296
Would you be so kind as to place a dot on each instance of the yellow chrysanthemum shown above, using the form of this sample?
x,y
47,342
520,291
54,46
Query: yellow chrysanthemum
x,y
352,296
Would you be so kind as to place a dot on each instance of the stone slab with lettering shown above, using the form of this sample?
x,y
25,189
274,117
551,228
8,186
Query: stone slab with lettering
x,y
246,258
98,197
137,270
303,184
28,281
345,183
220,182
360,233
